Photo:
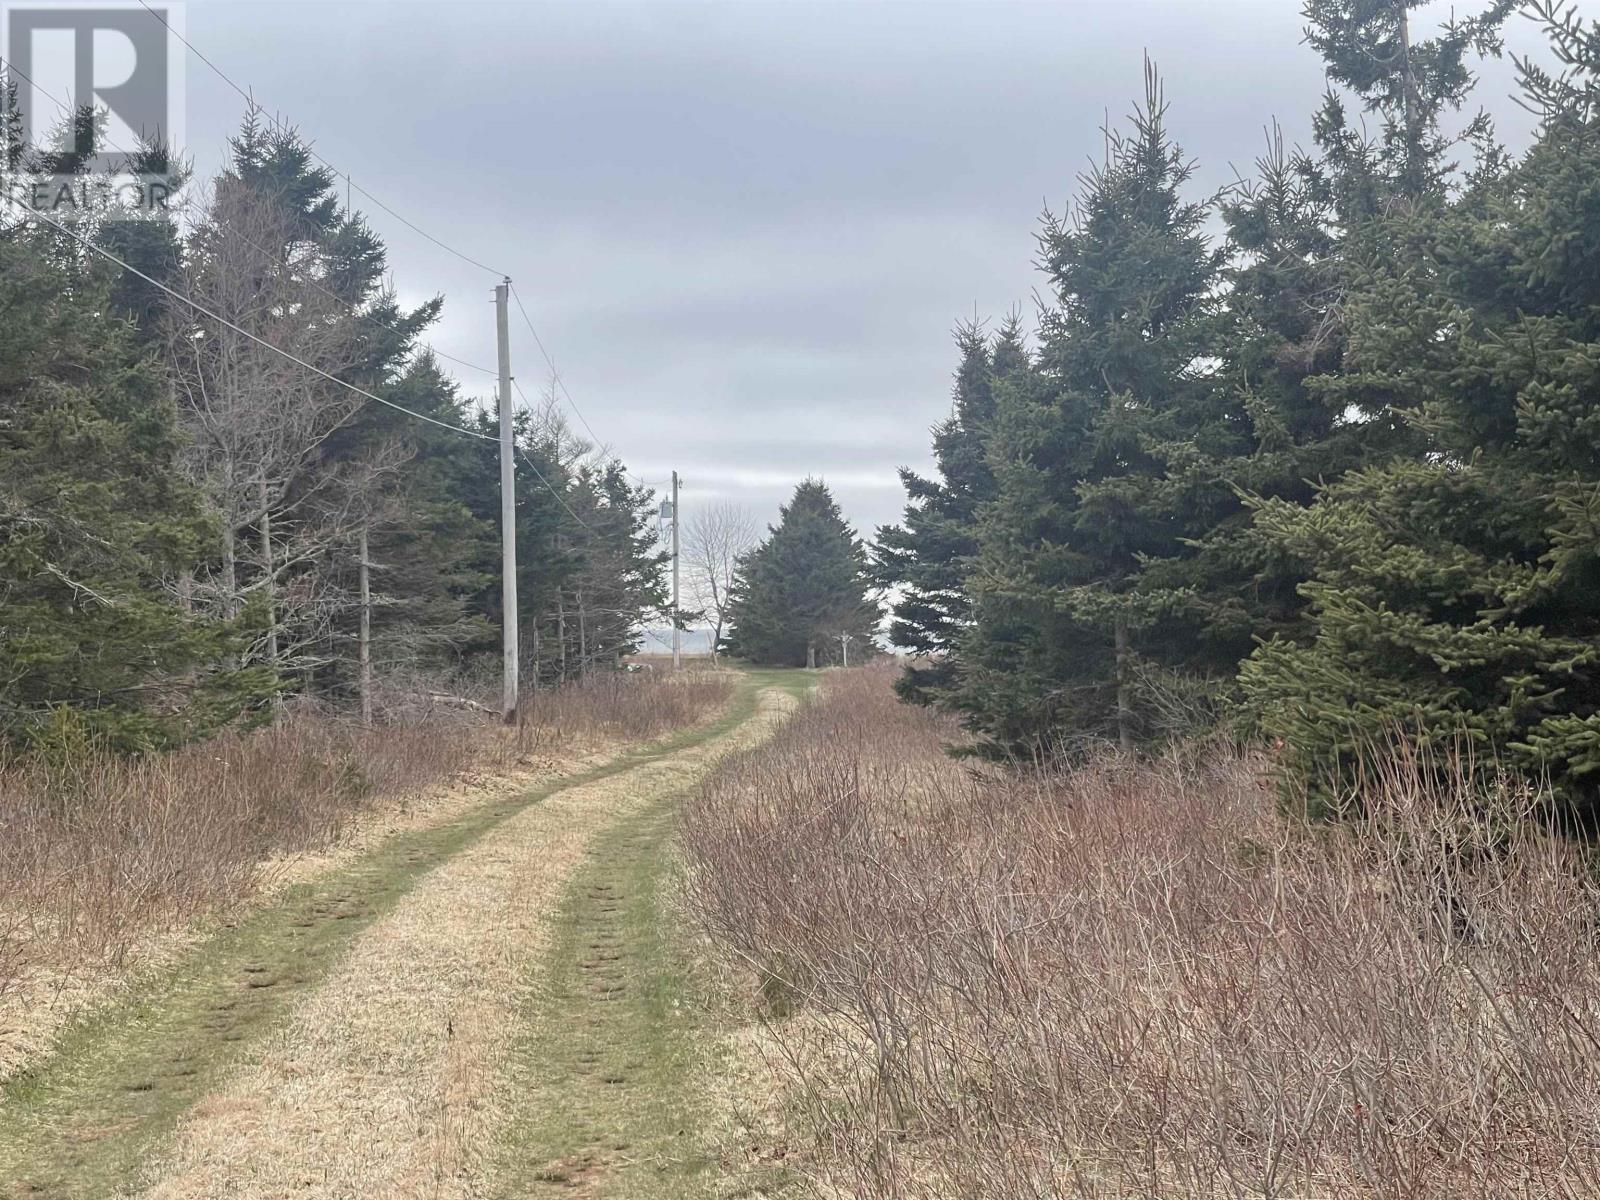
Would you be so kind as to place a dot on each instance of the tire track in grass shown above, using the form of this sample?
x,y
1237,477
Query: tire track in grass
x,y
611,1080
384,1081
81,1122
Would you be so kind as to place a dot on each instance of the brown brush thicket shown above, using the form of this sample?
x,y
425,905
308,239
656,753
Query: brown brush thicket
x,y
626,706
1142,979
97,849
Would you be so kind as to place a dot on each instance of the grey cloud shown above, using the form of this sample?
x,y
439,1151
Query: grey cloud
x,y
746,229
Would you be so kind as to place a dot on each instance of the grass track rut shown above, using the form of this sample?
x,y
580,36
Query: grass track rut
x,y
82,1122
610,1083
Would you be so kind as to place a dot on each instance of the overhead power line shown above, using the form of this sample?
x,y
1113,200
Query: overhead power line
x,y
326,291
200,308
550,362
249,98
561,383
368,316
203,310
409,224
539,475
282,127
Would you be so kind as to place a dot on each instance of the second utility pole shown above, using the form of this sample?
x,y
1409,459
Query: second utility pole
x,y
677,633
508,510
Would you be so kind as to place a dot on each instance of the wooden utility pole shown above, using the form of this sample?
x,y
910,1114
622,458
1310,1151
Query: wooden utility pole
x,y
365,645
508,510
677,633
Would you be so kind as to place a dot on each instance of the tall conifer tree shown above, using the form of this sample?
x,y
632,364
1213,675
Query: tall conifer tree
x,y
1061,622
804,588
929,555
95,519
1456,592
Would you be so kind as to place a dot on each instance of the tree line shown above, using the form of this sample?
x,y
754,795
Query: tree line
x,y
1318,456
193,527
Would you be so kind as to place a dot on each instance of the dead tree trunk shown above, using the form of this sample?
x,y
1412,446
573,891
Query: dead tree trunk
x,y
561,633
269,583
583,636
364,648
1124,688
230,572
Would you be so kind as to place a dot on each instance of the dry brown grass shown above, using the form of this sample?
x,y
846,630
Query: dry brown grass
x,y
626,706
103,859
1139,979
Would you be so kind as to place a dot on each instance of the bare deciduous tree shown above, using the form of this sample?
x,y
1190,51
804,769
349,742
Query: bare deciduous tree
x,y
259,422
713,539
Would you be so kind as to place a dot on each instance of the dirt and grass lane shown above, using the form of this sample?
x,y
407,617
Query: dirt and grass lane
x,y
362,1035
617,1078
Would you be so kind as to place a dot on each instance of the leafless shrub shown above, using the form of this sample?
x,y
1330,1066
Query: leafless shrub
x,y
1139,979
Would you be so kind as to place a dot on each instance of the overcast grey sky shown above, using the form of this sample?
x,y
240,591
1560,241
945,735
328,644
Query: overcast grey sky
x,y
745,230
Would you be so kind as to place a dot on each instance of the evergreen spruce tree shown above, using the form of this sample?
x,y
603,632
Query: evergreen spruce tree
x,y
1265,432
547,525
432,556
1370,48
804,588
1061,621
1301,236
95,521
1455,592
929,555
279,253
589,563
623,584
